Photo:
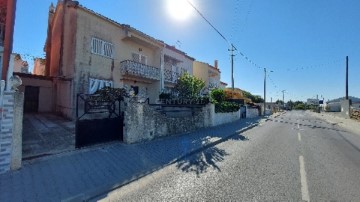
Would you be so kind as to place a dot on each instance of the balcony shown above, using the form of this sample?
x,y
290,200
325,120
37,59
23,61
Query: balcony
x,y
136,69
171,76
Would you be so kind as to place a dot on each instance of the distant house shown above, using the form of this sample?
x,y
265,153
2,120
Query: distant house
x,y
20,65
39,66
86,51
208,73
223,85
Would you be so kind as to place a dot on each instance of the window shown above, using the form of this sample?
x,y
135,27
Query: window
x,y
139,58
101,47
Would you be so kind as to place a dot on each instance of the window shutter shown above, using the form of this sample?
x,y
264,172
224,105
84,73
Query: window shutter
x,y
101,47
143,59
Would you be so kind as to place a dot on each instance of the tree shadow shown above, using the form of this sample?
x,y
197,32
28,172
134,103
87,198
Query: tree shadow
x,y
200,162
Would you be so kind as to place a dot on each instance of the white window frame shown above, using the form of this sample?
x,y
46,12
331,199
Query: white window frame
x,y
101,47
140,56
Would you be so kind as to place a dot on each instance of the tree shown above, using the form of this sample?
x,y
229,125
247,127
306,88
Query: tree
x,y
290,104
188,86
254,98
217,95
258,99
279,102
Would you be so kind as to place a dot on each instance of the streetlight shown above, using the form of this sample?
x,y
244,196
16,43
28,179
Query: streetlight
x,y
265,89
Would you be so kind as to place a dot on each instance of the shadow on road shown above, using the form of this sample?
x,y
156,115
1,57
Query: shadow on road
x,y
312,126
202,161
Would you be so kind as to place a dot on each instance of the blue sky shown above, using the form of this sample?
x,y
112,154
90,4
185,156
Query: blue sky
x,y
304,42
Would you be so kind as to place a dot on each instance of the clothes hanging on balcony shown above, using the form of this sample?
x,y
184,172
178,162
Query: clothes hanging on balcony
x,y
96,84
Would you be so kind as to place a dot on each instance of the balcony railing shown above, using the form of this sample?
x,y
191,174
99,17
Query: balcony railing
x,y
171,76
128,67
2,33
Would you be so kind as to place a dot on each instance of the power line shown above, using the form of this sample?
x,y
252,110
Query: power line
x,y
192,5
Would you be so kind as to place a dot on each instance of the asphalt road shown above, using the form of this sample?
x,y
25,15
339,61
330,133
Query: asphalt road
x,y
293,157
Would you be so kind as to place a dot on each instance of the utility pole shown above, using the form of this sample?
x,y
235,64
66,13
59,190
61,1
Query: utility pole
x,y
264,90
347,79
283,98
232,68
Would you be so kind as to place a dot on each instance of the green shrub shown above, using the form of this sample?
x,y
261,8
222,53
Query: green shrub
x,y
164,96
225,107
217,96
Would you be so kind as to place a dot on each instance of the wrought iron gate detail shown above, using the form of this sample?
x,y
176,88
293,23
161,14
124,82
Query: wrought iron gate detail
x,y
97,120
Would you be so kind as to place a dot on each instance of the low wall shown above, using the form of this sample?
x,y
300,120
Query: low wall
x,y
143,122
355,114
222,118
252,112
11,116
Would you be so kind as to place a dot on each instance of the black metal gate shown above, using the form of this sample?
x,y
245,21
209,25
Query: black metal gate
x,y
31,101
97,121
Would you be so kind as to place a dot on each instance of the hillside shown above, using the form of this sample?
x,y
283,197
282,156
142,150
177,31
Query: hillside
x,y
352,98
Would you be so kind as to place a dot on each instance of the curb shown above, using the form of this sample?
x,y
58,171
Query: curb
x,y
87,196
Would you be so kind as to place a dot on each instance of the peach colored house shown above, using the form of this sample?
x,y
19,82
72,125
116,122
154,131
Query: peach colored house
x,y
81,57
208,73
39,66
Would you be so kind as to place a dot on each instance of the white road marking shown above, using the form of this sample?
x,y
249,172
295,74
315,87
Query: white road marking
x,y
304,184
299,137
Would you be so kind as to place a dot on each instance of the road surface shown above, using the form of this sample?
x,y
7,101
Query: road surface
x,y
293,157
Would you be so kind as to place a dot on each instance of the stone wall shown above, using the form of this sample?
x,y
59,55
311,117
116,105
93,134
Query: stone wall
x,y
251,112
145,122
222,118
355,114
11,110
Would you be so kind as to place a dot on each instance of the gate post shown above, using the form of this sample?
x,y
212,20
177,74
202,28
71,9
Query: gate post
x,y
11,117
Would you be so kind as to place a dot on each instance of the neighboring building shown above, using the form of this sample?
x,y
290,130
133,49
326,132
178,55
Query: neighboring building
x,y
356,105
222,85
209,74
20,65
332,106
82,57
176,62
39,66
7,21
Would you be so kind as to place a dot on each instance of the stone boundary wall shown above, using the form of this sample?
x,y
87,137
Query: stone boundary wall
x,y
252,112
144,122
355,114
11,114
222,118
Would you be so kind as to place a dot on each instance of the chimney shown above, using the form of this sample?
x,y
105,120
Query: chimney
x,y
216,64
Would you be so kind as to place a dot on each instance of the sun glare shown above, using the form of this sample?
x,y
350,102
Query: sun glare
x,y
179,9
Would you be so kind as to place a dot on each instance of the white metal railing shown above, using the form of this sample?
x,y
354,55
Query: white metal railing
x,y
128,67
171,76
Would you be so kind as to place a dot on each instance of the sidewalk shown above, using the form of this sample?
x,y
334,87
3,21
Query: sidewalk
x,y
81,174
336,118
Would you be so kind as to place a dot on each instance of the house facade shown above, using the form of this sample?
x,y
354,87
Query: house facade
x,y
86,51
39,67
208,73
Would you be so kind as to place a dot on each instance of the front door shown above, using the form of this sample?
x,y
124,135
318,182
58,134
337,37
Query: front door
x,y
31,102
